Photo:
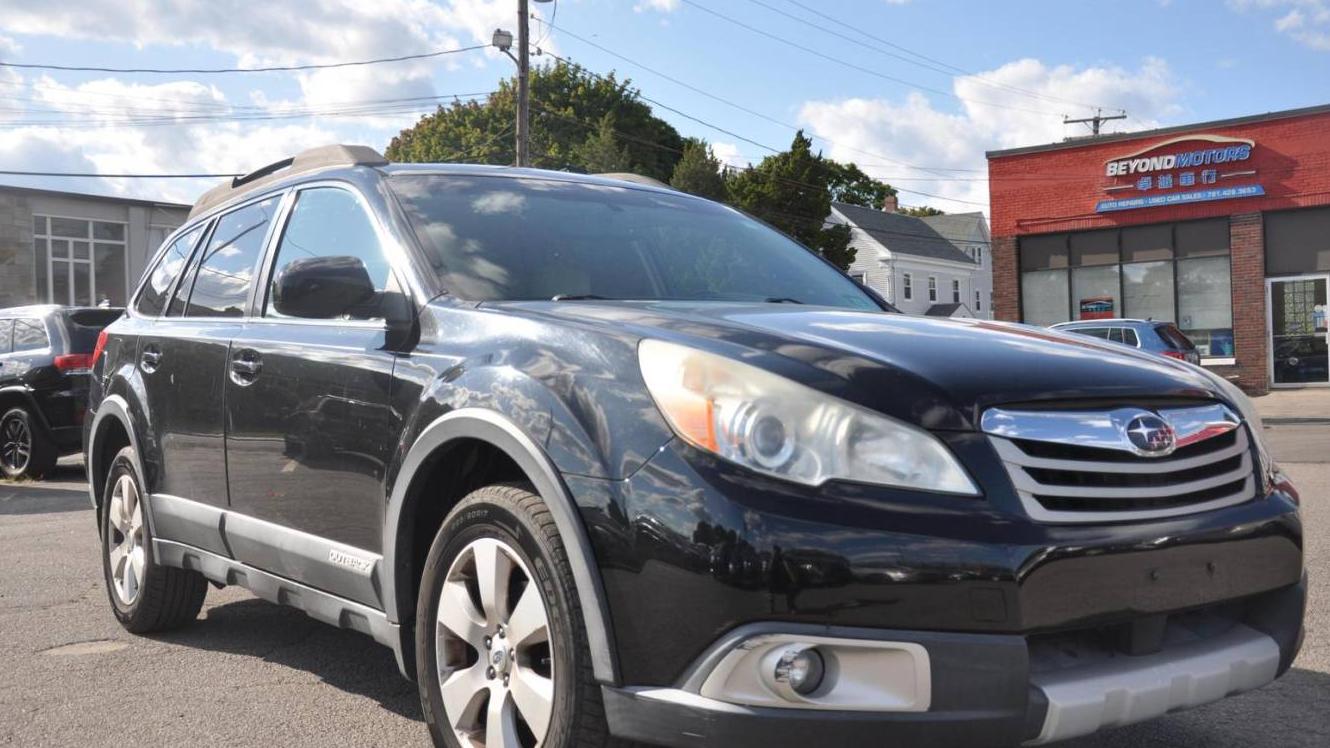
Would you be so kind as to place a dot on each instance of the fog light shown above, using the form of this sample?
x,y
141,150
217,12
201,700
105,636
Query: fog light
x,y
800,670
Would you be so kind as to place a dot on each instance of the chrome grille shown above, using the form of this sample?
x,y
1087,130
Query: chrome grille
x,y
1081,465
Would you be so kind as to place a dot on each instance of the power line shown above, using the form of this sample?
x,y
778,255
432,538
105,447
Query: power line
x,y
743,138
739,107
937,65
860,68
213,71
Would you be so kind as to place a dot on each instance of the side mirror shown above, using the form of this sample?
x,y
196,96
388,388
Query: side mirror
x,y
325,288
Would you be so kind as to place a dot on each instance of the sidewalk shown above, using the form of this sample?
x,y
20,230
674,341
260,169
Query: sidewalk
x,y
1311,405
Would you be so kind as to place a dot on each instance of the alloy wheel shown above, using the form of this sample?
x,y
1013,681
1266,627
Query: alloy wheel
x,y
496,666
125,537
15,444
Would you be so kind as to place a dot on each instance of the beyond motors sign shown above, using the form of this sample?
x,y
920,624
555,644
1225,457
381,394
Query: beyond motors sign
x,y
1170,173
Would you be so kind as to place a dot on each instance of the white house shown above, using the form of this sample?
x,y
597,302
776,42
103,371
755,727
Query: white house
x,y
935,265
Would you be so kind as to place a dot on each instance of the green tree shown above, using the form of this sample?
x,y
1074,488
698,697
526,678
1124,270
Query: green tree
x,y
568,105
790,190
698,171
848,184
602,153
923,211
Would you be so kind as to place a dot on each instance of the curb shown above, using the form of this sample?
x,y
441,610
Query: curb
x,y
1295,421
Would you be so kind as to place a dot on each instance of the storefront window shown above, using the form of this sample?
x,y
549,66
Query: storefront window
x,y
1148,288
1168,272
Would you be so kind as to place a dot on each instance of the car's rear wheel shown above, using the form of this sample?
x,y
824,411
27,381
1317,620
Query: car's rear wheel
x,y
145,596
500,646
25,452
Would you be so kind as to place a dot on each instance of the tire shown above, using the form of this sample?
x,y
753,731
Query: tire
x,y
145,596
25,449
512,524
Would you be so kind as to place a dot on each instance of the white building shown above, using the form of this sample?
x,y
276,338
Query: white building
x,y
937,265
75,249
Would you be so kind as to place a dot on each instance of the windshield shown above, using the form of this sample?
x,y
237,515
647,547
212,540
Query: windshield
x,y
504,238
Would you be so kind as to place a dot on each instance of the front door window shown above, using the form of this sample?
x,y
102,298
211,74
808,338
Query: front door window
x,y
1298,332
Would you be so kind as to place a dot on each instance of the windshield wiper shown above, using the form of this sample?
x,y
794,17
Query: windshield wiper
x,y
578,297
781,300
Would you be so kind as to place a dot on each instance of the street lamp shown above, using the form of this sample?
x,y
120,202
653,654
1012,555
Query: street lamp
x,y
503,40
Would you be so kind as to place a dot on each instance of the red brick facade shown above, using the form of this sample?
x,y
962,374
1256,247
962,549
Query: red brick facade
x,y
1056,188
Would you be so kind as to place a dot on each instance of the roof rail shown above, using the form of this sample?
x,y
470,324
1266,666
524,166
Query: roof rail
x,y
626,176
314,158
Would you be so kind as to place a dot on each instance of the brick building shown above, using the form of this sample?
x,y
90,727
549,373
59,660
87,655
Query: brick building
x,y
75,249
1222,227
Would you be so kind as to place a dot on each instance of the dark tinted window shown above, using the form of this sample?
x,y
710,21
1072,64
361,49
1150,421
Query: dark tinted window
x,y
1297,241
1115,334
221,287
1044,252
1129,337
502,238
84,325
330,222
1174,338
152,300
30,335
1094,332
6,336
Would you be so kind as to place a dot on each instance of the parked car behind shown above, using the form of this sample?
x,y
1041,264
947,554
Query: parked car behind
x,y
1161,338
600,460
45,366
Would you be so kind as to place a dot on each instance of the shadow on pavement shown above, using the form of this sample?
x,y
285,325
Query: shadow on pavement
x,y
345,660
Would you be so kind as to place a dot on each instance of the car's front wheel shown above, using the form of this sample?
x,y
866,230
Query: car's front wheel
x,y
145,595
502,659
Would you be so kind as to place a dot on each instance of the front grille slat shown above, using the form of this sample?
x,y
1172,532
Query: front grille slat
x,y
1066,482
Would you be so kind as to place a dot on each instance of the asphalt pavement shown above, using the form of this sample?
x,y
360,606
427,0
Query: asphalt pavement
x,y
251,673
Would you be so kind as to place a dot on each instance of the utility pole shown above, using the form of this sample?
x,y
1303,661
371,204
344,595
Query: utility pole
x,y
503,41
523,85
1094,122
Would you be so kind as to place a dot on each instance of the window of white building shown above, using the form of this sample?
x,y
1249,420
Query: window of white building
x,y
956,291
907,286
932,288
80,262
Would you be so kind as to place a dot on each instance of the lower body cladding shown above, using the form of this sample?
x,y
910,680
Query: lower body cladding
x,y
874,687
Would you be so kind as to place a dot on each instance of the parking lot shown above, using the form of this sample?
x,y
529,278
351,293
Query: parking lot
x,y
251,673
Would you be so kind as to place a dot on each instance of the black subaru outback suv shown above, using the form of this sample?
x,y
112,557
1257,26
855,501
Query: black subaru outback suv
x,y
45,367
601,461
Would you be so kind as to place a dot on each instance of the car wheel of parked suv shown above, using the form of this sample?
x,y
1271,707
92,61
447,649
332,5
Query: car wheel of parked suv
x,y
146,597
25,452
500,648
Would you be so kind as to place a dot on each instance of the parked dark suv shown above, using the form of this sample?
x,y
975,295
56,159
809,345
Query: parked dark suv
x,y
600,460
45,367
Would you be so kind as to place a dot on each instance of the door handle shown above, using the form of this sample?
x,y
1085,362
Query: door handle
x,y
150,359
245,367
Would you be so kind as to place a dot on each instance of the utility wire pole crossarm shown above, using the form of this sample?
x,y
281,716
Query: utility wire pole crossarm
x,y
1094,122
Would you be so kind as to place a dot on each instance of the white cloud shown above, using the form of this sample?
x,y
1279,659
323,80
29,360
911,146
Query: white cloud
x,y
1305,21
660,6
892,139
728,154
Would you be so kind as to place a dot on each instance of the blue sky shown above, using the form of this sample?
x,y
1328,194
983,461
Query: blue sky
x,y
996,74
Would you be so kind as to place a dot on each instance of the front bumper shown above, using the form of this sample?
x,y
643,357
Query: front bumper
x,y
988,689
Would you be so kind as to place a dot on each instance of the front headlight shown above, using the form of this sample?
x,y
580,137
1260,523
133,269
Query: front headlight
x,y
778,427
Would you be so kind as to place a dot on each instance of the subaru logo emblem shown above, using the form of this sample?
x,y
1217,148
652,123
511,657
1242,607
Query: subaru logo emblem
x,y
1151,435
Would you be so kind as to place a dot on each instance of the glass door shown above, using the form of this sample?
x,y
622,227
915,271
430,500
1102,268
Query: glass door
x,y
1299,353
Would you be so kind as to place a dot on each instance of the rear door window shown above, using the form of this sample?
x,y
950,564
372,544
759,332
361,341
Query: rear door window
x,y
1094,332
222,283
1129,337
30,335
1174,338
152,300
1115,334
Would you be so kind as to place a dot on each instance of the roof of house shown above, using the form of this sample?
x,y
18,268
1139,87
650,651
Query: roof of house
x,y
946,310
921,237
92,196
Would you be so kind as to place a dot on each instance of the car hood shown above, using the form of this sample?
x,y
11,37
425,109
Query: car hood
x,y
937,373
